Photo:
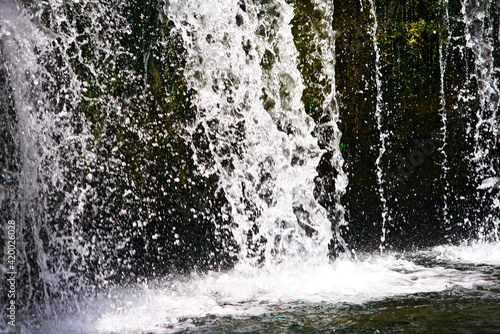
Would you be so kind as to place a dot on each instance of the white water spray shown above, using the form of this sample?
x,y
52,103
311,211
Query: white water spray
x,y
243,67
45,144
331,112
20,42
260,136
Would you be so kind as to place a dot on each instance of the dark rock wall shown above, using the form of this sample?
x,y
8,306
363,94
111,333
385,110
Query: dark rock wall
x,y
426,71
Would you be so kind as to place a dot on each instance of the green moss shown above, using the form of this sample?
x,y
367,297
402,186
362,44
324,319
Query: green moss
x,y
307,30
406,38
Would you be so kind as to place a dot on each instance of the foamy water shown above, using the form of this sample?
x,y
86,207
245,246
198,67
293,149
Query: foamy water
x,y
478,253
173,304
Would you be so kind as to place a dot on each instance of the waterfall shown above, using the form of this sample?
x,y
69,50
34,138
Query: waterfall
x,y
328,132
141,141
242,63
101,190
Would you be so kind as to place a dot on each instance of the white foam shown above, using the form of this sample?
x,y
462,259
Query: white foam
x,y
489,182
478,253
245,291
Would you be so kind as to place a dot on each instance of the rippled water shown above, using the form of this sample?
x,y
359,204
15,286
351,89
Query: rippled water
x,y
446,289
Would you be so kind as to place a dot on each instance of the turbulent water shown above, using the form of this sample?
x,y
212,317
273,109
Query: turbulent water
x,y
436,287
178,166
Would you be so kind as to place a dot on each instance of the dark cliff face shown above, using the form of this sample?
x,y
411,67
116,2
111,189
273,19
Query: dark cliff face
x,y
426,164
382,123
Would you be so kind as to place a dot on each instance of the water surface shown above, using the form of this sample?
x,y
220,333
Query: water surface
x,y
443,290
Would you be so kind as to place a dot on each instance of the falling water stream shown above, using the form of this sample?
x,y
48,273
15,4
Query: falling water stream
x,y
379,115
443,53
485,129
164,171
267,157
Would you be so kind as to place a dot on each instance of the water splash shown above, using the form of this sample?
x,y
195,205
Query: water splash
x,y
242,65
43,147
21,42
181,304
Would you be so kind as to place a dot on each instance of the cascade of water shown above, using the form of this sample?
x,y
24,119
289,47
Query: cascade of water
x,y
379,110
479,39
243,68
330,129
242,63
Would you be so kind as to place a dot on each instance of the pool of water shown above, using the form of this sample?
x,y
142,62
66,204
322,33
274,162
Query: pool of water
x,y
443,290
